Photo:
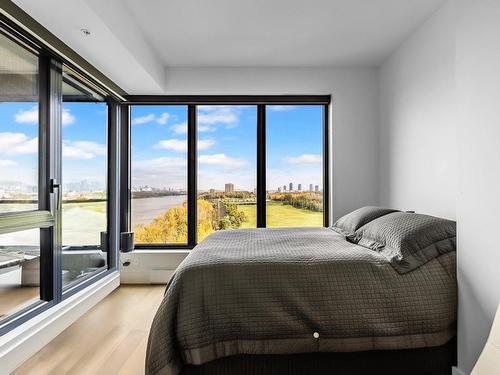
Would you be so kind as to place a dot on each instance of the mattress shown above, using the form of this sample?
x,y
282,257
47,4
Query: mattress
x,y
301,290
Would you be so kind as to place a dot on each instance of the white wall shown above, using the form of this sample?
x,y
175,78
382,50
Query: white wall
x,y
354,115
478,87
440,147
418,159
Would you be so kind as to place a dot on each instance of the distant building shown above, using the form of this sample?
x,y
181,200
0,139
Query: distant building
x,y
212,191
291,186
299,187
310,187
284,187
279,190
229,188
316,188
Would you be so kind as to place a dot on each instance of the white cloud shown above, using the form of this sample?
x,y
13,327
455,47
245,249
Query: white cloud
x,y
67,117
143,119
6,163
211,115
30,116
17,143
180,145
280,108
164,117
83,150
206,128
205,144
180,128
221,160
305,159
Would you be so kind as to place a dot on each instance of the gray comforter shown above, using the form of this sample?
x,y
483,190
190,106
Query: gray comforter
x,y
275,291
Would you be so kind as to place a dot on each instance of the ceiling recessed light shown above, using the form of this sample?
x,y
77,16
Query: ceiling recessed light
x,y
85,32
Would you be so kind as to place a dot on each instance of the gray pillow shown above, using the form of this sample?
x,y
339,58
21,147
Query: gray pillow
x,y
350,223
408,240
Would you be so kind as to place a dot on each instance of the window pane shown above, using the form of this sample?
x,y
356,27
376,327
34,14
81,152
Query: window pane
x,y
18,127
227,148
84,177
294,158
19,270
159,174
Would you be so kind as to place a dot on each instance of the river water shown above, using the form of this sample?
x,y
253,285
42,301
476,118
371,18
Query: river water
x,y
144,210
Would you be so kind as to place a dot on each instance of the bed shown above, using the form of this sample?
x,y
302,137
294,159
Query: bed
x,y
266,297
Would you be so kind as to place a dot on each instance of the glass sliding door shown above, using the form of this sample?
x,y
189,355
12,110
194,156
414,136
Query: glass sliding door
x,y
227,147
21,217
54,175
159,174
294,159
84,180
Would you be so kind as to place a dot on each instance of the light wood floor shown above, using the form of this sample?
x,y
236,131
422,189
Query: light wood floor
x,y
110,339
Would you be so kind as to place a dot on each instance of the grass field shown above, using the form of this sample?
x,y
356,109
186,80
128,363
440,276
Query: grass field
x,y
279,215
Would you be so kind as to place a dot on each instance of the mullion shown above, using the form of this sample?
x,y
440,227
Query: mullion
x,y
326,167
125,173
261,166
113,199
192,176
49,177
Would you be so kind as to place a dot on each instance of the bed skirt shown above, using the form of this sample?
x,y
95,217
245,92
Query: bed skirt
x,y
422,361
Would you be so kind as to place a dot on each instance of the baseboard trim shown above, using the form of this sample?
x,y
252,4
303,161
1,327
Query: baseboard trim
x,y
24,341
456,371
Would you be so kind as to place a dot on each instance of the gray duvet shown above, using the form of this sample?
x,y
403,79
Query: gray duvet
x,y
278,291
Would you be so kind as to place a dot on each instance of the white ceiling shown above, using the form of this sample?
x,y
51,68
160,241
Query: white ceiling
x,y
146,36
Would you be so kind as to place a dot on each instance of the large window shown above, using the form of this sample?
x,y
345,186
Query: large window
x,y
159,174
208,166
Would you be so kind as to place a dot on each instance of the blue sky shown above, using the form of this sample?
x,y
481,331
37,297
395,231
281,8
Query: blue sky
x,y
84,142
227,137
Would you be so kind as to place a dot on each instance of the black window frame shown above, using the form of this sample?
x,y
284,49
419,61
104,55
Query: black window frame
x,y
46,217
192,101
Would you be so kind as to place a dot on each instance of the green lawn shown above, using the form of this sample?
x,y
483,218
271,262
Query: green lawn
x,y
279,215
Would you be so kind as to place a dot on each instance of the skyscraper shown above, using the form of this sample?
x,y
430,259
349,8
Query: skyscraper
x,y
279,190
310,187
316,188
229,188
284,187
299,187
291,186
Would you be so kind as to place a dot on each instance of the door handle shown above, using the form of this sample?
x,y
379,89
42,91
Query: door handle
x,y
55,187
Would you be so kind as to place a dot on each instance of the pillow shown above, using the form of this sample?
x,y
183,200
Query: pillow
x,y
408,240
350,223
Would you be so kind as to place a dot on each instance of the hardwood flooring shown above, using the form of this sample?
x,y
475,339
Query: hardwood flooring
x,y
110,339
